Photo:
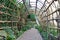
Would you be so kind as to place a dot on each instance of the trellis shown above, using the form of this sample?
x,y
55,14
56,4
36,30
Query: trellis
x,y
10,15
45,15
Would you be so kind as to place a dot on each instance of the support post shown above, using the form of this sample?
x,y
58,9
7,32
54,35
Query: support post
x,y
58,25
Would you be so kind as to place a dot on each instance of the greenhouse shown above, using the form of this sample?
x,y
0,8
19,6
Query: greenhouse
x,y
29,19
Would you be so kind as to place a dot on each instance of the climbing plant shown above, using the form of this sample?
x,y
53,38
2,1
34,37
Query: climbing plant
x,y
10,12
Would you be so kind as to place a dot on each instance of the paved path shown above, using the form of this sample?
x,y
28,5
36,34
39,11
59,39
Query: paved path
x,y
31,34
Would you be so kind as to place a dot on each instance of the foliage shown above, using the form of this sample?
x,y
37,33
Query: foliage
x,y
10,34
10,11
31,16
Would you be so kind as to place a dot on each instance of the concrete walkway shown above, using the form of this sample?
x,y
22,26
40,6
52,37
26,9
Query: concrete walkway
x,y
31,34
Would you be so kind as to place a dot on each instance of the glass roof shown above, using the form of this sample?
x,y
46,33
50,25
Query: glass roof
x,y
33,3
39,3
43,7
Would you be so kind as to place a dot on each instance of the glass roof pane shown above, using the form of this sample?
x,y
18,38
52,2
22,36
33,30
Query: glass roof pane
x,y
33,3
39,3
32,0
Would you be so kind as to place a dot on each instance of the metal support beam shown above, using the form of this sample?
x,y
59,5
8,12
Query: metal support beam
x,y
50,20
40,1
47,7
59,6
58,26
43,6
59,2
25,6
52,13
36,7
